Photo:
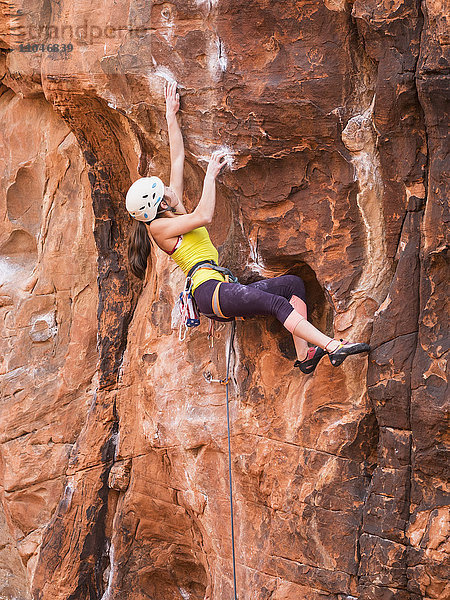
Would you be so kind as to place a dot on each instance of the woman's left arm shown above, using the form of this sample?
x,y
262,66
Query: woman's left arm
x,y
175,139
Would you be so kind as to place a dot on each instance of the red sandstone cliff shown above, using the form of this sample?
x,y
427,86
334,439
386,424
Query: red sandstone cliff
x,y
113,480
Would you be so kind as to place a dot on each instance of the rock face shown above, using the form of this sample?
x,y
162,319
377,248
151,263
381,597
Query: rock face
x,y
113,445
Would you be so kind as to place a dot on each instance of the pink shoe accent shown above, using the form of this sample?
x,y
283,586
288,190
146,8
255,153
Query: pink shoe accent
x,y
311,352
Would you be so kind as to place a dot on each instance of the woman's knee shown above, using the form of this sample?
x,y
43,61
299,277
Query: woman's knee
x,y
296,286
280,308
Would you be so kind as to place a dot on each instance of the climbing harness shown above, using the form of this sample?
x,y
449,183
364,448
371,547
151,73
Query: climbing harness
x,y
210,264
226,382
185,313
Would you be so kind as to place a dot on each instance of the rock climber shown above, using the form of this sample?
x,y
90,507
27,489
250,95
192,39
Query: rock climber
x,y
158,210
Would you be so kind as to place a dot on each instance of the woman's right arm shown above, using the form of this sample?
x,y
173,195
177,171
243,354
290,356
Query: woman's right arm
x,y
168,228
175,141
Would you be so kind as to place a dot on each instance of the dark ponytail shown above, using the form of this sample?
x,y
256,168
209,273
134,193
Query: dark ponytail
x,y
138,249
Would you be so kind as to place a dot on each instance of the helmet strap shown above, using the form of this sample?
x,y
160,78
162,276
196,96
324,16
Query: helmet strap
x,y
168,209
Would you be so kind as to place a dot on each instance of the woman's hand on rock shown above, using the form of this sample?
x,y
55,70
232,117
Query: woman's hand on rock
x,y
172,99
217,161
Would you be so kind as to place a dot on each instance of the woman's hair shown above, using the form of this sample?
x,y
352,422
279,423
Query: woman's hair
x,y
139,247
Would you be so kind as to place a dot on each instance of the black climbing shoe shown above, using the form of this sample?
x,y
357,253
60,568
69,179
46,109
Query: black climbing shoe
x,y
345,349
311,361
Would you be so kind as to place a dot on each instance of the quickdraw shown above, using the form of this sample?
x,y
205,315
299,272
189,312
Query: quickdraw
x,y
207,375
185,313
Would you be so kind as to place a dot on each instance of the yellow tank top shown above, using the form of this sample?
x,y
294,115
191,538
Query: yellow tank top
x,y
195,247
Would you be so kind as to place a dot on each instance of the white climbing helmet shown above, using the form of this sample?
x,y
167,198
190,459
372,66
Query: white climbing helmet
x,y
144,197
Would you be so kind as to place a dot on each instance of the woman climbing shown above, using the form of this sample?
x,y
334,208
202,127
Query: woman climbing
x,y
158,210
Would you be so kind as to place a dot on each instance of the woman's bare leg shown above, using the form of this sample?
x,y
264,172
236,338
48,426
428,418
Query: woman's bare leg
x,y
300,327
301,345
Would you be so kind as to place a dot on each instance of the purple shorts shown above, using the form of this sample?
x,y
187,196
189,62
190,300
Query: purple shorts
x,y
265,297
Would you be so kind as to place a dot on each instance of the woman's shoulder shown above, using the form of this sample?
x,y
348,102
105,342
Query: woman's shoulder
x,y
157,231
156,225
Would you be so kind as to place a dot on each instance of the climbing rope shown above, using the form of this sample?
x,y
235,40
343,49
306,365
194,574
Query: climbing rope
x,y
226,382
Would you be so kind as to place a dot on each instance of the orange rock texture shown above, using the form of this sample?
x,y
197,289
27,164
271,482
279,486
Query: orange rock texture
x,y
113,446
